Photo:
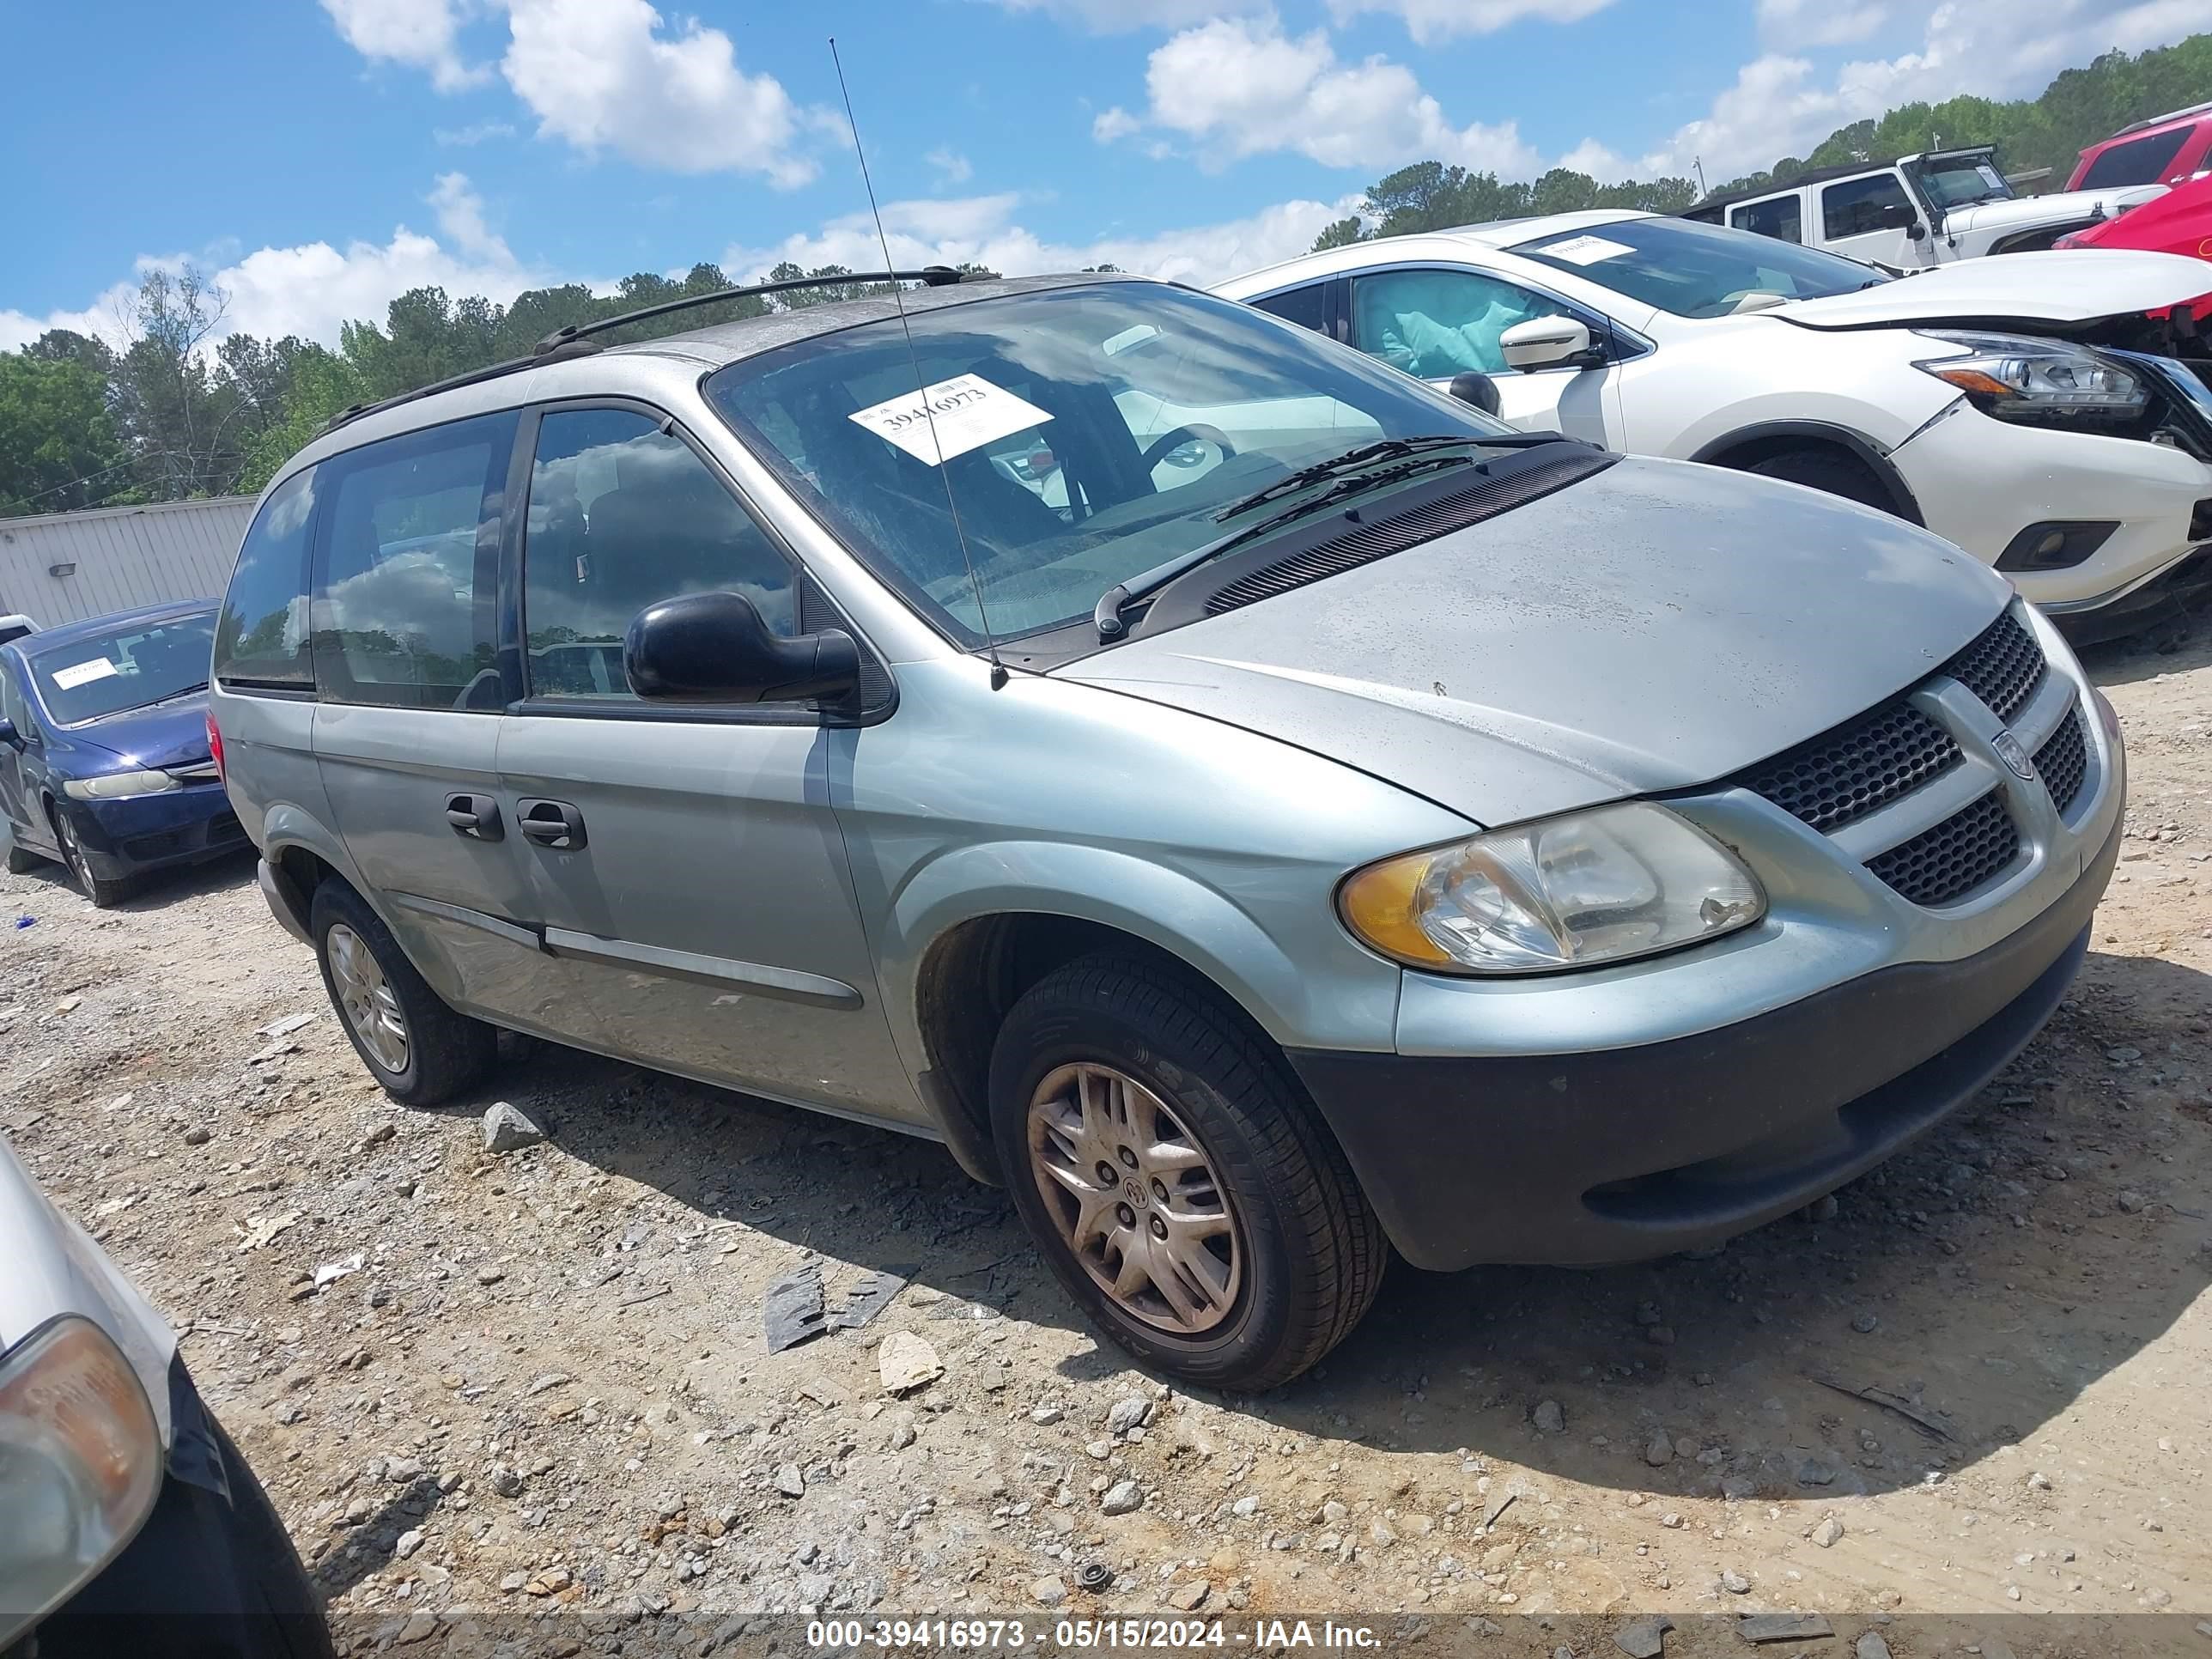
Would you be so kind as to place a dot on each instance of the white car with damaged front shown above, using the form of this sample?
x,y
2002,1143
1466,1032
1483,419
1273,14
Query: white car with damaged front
x,y
2027,409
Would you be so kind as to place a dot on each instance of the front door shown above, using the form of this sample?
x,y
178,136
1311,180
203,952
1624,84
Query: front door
x,y
1437,323
1872,218
686,862
406,731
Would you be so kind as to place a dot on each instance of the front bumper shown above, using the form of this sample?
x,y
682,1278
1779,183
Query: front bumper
x,y
1625,1154
146,832
1980,481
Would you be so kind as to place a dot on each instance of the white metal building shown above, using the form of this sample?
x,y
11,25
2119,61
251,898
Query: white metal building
x,y
62,567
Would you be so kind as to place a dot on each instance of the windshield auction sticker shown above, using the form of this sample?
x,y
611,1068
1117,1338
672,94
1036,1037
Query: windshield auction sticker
x,y
965,412
83,673
1586,250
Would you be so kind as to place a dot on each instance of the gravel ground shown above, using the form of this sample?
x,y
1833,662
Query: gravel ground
x,y
537,1381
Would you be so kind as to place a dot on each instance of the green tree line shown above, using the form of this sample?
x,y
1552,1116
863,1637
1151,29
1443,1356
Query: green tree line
x,y
2079,108
171,407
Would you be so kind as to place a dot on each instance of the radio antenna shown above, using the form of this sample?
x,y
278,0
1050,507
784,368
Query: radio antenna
x,y
920,386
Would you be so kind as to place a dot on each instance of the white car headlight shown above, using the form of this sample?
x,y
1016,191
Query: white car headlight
x,y
116,785
2049,382
80,1466
1600,886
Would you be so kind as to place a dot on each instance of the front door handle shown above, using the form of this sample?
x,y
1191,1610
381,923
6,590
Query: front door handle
x,y
553,823
476,816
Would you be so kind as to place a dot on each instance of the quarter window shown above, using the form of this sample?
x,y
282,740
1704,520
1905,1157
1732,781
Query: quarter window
x,y
408,588
623,515
1857,206
1436,324
261,637
1778,216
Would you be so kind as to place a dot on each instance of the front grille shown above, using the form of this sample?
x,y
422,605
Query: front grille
x,y
1941,864
2063,760
1395,534
2003,667
1846,773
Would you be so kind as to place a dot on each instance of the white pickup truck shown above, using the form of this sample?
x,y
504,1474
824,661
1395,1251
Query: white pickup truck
x,y
1916,211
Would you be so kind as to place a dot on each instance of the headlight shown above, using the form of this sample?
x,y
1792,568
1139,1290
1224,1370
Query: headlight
x,y
80,1466
116,785
1591,887
2038,380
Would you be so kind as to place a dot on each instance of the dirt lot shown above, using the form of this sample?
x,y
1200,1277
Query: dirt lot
x,y
544,1384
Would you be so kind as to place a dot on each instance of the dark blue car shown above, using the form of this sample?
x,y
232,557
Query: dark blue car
x,y
104,763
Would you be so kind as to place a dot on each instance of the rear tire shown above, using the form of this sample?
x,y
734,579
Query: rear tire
x,y
1209,1108
104,893
1830,471
417,1048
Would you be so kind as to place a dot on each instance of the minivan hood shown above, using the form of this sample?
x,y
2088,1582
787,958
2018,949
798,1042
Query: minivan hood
x,y
2060,285
2065,207
1656,626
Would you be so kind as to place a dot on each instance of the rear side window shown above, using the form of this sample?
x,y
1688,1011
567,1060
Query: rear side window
x,y
1857,206
1778,216
261,637
1302,305
2138,161
407,568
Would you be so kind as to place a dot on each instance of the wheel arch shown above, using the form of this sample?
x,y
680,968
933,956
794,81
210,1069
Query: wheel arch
x,y
1748,445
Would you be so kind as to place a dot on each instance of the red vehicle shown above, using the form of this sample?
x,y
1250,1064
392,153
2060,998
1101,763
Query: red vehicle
x,y
2166,150
2179,221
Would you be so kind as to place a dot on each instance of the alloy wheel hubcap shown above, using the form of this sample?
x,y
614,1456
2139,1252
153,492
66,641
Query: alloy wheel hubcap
x,y
371,1008
1135,1198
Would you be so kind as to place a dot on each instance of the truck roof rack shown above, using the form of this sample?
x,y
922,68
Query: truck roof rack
x,y
574,340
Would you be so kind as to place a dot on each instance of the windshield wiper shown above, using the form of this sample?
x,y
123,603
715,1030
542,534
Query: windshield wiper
x,y
177,695
1384,450
1106,615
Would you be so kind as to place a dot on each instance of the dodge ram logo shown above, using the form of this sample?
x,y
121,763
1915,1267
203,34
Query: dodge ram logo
x,y
2013,756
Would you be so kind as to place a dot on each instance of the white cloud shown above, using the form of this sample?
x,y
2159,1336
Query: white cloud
x,y
1113,123
983,229
952,167
603,74
1121,16
1431,21
1240,87
1779,104
1593,158
461,217
420,33
1787,25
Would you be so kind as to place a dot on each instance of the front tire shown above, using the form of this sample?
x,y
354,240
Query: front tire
x,y
417,1048
104,893
1233,1247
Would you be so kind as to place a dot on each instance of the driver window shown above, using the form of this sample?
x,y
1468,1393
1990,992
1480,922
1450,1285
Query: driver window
x,y
1857,206
1437,323
623,515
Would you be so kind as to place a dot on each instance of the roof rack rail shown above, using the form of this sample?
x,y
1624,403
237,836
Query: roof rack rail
x,y
2160,120
574,340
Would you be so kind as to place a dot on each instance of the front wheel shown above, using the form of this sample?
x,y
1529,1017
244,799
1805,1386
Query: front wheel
x,y
422,1051
1175,1177
103,893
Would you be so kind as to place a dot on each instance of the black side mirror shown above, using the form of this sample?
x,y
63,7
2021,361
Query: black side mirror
x,y
1476,388
9,734
713,647
1917,231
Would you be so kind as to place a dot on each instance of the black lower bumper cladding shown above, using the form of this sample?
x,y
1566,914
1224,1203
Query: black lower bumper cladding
x,y
1592,1159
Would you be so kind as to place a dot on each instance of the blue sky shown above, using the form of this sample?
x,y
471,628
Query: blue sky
x,y
321,157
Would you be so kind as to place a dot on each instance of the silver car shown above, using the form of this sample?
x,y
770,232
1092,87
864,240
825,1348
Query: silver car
x,y
1259,809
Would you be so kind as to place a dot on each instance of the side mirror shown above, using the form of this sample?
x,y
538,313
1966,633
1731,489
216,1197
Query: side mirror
x,y
713,647
9,734
1917,231
1549,342
1476,388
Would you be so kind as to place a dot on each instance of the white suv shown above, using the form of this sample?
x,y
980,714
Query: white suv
x,y
2024,408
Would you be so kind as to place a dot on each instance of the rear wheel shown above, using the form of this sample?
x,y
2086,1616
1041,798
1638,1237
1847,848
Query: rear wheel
x,y
417,1048
101,891
1175,1177
1832,470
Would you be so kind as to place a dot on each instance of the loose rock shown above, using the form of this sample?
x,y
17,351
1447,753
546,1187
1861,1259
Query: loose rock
x,y
508,1128
906,1363
1550,1417
1828,1534
1120,1497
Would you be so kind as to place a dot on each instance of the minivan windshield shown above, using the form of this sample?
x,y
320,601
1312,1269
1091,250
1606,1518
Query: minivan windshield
x,y
1697,269
1090,433
136,665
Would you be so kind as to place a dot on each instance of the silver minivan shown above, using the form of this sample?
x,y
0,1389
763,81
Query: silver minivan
x,y
1257,808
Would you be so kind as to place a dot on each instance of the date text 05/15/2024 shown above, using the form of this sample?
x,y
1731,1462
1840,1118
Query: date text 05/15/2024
x,y
1262,1635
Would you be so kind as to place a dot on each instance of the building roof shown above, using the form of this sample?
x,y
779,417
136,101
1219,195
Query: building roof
x,y
206,505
